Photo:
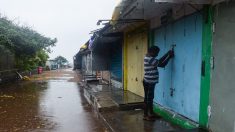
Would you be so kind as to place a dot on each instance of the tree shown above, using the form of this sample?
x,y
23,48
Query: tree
x,y
43,57
61,60
28,46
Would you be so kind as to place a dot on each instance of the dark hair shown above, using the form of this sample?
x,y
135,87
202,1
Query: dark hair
x,y
153,49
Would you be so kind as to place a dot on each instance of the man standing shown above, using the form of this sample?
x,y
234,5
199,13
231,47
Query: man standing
x,y
151,77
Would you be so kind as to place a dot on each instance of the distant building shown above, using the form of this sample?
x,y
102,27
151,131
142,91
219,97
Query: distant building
x,y
52,65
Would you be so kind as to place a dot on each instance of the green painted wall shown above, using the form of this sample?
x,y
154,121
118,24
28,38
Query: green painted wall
x,y
206,56
175,119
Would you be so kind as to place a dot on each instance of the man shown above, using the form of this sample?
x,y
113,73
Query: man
x,y
151,77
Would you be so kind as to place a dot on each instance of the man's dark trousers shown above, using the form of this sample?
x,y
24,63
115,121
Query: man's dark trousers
x,y
148,97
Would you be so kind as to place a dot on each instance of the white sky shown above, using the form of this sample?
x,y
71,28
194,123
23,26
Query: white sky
x,y
70,21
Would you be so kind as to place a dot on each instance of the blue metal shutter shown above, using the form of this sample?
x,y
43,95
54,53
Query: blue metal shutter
x,y
116,62
183,73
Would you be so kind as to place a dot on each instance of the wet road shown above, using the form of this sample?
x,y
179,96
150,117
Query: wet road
x,y
50,102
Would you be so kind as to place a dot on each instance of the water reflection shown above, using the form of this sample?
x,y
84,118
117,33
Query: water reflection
x,y
56,104
19,105
61,101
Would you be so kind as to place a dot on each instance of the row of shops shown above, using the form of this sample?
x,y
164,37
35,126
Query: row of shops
x,y
196,88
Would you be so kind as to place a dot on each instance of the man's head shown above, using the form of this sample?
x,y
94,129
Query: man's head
x,y
153,51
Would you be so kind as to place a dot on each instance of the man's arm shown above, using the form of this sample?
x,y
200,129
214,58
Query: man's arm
x,y
163,61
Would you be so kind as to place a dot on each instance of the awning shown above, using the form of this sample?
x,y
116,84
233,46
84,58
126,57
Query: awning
x,y
147,9
84,46
84,49
103,36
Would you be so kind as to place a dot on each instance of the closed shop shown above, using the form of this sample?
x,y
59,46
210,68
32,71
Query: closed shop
x,y
179,82
116,64
116,61
136,44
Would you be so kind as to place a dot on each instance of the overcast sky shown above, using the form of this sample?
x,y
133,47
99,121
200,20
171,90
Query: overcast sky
x,y
70,21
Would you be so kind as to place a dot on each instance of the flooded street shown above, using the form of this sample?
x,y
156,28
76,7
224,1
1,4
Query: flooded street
x,y
52,101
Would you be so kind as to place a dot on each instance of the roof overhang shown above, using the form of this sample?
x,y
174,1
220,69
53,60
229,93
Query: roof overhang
x,y
127,12
104,36
147,9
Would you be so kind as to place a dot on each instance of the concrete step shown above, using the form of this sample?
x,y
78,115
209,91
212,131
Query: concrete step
x,y
104,98
99,103
105,105
131,106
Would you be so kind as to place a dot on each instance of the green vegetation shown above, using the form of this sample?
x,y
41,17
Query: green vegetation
x,y
28,46
61,60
